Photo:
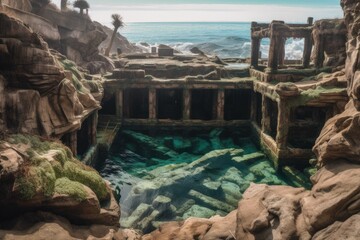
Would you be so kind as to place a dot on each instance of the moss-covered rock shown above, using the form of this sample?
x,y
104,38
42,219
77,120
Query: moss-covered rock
x,y
71,188
49,166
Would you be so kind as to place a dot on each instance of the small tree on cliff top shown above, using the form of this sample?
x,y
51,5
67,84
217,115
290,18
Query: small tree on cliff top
x,y
82,4
117,22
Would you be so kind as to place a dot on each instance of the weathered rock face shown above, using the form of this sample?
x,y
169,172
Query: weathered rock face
x,y
197,228
72,34
79,39
24,5
38,97
339,137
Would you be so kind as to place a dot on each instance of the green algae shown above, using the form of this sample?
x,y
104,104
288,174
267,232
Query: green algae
x,y
311,94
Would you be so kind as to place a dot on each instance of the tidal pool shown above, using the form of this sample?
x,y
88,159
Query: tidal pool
x,y
163,175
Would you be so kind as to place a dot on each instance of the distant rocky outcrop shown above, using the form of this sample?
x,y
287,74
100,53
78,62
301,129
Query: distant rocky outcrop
x,y
119,42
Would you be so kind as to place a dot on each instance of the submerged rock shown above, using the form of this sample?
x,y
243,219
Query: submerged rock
x,y
198,211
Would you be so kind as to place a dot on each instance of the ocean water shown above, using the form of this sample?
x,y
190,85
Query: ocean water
x,y
225,39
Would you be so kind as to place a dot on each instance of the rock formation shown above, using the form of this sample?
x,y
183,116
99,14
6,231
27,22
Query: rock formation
x,y
40,96
119,42
74,35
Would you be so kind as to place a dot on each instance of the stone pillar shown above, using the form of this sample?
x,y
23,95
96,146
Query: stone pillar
x,y
283,124
253,107
186,103
310,21
307,51
319,51
255,48
265,122
152,103
92,131
275,46
119,103
281,56
73,142
220,103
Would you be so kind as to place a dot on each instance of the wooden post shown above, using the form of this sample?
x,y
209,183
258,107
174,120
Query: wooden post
x,y
283,124
119,98
186,103
73,142
220,104
307,51
152,103
255,48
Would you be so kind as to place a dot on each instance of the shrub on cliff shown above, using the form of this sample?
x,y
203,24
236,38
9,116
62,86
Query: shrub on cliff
x,y
81,4
117,22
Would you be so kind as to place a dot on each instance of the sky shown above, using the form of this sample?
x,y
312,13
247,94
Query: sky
x,y
213,10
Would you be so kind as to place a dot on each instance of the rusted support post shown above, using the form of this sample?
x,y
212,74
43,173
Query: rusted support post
x,y
186,103
152,103
283,124
73,142
220,104
307,51
119,103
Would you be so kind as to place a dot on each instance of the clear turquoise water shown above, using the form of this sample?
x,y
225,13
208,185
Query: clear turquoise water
x,y
181,169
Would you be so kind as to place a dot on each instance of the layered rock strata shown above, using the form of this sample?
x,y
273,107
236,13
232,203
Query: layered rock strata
x,y
39,95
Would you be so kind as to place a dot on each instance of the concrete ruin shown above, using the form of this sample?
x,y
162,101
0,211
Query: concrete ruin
x,y
285,105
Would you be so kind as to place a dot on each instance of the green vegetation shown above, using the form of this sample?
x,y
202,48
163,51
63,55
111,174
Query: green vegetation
x,y
82,4
71,188
117,22
50,168
77,171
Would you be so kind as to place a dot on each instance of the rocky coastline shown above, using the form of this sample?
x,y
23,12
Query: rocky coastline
x,y
52,80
